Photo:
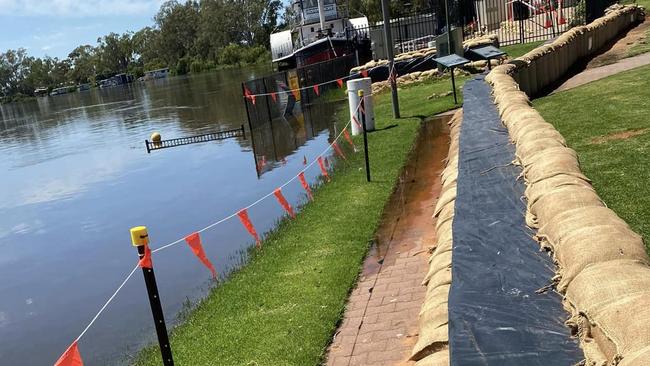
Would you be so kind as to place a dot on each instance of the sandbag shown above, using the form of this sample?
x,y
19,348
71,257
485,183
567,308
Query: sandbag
x,y
564,199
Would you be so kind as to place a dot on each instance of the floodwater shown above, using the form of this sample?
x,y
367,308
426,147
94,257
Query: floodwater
x,y
75,176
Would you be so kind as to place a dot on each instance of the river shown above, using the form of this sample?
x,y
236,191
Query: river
x,y
76,176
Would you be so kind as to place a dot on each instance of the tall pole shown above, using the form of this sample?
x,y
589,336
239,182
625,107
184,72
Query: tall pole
x,y
449,45
140,239
321,15
392,74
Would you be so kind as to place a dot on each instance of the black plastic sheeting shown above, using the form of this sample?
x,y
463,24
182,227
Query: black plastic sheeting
x,y
495,315
380,73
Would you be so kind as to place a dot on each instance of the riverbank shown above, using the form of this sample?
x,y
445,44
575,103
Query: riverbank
x,y
284,305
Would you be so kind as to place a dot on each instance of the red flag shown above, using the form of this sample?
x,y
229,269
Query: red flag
x,y
295,93
338,150
322,168
339,82
243,216
194,241
316,90
356,122
283,202
274,96
346,134
304,160
364,73
71,357
145,261
301,177
249,95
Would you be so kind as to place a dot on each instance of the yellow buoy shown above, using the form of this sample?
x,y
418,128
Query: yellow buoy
x,y
139,236
155,137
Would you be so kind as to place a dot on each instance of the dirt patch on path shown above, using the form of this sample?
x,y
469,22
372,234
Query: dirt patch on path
x,y
621,48
624,135
380,325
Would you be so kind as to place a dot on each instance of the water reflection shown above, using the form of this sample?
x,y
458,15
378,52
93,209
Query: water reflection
x,y
76,176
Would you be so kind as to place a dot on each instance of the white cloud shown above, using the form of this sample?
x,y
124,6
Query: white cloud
x,y
78,8
46,48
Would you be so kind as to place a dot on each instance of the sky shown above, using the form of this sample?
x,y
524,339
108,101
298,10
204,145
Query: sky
x,y
56,27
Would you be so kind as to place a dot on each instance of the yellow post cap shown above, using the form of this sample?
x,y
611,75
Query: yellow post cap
x,y
139,236
360,93
155,137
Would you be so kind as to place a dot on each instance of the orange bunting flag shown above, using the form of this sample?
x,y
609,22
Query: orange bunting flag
x,y
145,261
338,150
301,177
339,82
346,134
249,95
295,93
322,168
274,96
304,160
356,122
283,202
364,73
316,89
243,216
71,357
194,241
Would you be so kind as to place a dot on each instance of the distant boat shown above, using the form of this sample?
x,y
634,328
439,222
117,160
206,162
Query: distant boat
x,y
40,92
155,74
59,91
119,79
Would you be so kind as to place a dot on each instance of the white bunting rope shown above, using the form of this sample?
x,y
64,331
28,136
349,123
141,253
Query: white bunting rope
x,y
128,277
287,91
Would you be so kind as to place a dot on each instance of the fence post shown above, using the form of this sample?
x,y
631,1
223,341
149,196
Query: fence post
x,y
140,239
388,38
362,107
248,115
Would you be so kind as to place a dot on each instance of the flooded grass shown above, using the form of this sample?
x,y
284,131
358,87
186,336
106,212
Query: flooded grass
x,y
284,305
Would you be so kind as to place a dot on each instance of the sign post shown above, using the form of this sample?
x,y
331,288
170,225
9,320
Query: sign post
x,y
451,62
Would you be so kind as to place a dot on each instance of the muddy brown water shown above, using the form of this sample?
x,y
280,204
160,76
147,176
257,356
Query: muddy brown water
x,y
408,212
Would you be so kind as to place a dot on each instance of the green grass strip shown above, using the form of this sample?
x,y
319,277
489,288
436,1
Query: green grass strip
x,y
282,308
521,49
607,123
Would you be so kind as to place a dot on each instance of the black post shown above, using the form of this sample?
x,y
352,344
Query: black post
x,y
243,132
140,238
453,84
388,39
146,143
365,133
243,90
521,29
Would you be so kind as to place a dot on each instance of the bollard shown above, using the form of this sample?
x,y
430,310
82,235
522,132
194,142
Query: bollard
x,y
140,239
365,132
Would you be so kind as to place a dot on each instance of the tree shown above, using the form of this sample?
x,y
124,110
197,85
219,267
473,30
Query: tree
x,y
178,24
84,63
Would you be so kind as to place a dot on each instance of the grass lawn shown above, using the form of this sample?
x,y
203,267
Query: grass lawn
x,y
608,123
640,47
517,50
283,307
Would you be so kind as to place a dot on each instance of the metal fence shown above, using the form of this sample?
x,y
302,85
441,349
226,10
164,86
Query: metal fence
x,y
287,110
522,21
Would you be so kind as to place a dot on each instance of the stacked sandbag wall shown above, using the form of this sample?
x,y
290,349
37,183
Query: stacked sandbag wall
x,y
543,66
602,267
432,348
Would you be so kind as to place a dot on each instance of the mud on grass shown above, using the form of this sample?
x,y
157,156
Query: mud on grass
x,y
618,167
283,306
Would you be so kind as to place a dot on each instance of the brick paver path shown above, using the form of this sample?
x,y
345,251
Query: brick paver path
x,y
381,320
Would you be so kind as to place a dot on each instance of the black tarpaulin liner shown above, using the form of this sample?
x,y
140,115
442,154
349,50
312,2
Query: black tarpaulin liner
x,y
495,315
